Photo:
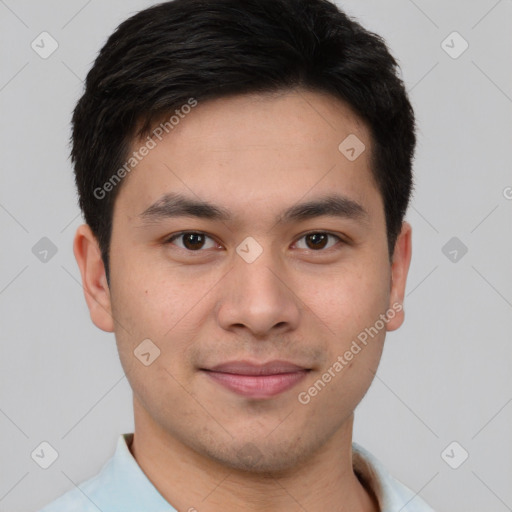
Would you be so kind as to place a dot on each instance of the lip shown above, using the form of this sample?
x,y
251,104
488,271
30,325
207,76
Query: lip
x,y
254,380
250,368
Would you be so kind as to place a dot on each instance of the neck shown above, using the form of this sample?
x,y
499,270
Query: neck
x,y
192,481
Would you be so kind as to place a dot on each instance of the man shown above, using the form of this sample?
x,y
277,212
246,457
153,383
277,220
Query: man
x,y
244,168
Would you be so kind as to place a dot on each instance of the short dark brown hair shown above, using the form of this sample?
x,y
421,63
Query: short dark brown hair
x,y
205,49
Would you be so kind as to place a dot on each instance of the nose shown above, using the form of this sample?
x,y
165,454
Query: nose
x,y
259,297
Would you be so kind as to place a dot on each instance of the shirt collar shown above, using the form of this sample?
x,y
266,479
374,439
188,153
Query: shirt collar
x,y
126,485
391,494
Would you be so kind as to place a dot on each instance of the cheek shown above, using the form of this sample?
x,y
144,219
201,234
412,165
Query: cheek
x,y
351,299
164,309
153,338
149,298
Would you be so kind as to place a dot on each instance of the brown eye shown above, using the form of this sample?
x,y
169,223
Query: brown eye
x,y
319,240
191,241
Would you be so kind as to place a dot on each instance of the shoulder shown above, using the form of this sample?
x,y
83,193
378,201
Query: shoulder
x,y
89,495
76,500
121,485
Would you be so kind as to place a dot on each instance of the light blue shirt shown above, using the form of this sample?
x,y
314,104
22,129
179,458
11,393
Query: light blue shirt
x,y
121,486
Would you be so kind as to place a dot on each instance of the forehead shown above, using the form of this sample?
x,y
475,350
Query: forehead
x,y
254,150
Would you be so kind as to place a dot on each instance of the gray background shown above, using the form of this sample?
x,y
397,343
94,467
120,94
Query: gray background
x,y
445,375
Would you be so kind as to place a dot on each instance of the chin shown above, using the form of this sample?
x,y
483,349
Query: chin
x,y
258,457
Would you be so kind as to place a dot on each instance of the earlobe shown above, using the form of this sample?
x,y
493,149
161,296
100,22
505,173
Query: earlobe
x,y
94,282
399,270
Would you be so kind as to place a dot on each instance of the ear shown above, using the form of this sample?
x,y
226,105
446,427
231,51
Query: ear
x,y
94,281
399,270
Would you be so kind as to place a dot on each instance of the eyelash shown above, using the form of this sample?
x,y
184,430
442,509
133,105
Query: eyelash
x,y
173,237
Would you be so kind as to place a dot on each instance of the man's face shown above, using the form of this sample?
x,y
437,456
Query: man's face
x,y
256,287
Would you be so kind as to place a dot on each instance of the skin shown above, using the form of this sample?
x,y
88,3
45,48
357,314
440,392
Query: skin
x,y
255,155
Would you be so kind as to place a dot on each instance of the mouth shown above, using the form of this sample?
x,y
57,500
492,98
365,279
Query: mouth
x,y
254,380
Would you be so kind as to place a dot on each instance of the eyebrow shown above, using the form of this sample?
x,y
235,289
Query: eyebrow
x,y
177,205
